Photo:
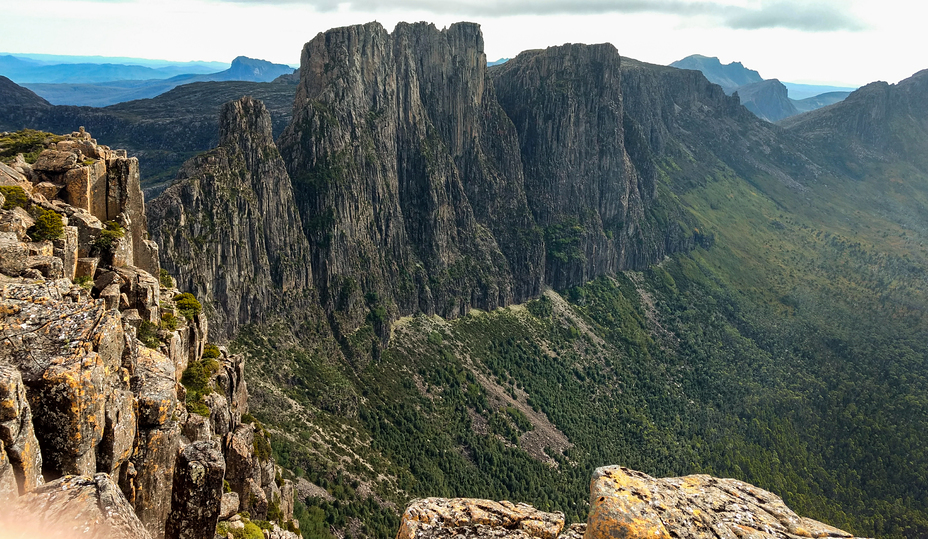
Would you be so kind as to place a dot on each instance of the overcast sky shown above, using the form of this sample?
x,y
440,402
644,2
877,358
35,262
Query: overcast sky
x,y
849,42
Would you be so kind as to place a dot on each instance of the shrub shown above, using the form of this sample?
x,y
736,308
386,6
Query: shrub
x,y
48,225
168,321
109,236
165,279
211,351
148,334
15,197
187,305
196,379
84,281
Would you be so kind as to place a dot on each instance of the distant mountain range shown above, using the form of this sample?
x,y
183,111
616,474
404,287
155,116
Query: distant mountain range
x,y
768,99
103,84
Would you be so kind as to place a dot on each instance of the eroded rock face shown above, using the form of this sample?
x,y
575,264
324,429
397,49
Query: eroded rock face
x,y
463,517
73,506
255,259
627,503
197,488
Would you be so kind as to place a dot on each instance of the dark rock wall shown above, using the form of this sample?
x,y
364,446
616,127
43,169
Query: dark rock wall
x,y
230,227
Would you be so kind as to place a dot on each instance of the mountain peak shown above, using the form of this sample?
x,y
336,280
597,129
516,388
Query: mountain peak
x,y
728,76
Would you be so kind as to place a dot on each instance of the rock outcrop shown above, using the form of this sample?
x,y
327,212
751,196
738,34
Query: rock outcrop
x,y
464,517
627,503
624,504
230,229
104,367
73,506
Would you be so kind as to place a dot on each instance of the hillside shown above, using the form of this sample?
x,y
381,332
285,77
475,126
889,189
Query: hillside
x,y
778,338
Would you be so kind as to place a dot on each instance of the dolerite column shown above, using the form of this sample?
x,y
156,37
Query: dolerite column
x,y
197,492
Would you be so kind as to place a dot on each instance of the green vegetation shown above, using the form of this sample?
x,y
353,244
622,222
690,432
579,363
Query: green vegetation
x,y
196,380
48,225
84,281
14,196
28,142
187,305
148,334
110,235
165,279
563,240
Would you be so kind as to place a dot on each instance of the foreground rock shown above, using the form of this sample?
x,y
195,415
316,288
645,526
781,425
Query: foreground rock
x,y
462,517
626,503
73,506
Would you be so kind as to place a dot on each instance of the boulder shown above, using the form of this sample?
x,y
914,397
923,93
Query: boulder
x,y
627,503
73,506
13,254
228,506
197,492
49,266
198,428
240,459
254,500
155,388
464,517
17,220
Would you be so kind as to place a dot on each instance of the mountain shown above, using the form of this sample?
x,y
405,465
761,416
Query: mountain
x,y
256,249
768,99
102,85
30,71
878,125
521,273
819,101
729,76
162,132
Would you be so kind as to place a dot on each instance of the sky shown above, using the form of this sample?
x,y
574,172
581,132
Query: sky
x,y
837,42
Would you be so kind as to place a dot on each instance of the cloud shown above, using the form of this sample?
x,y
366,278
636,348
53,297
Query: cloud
x,y
800,15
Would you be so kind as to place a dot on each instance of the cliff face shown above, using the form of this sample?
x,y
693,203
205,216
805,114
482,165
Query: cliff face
x,y
104,369
384,129
879,122
425,185
229,226
583,189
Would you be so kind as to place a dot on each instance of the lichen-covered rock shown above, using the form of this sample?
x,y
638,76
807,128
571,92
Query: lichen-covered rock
x,y
73,506
118,432
8,487
156,387
471,518
197,492
149,489
68,354
13,254
627,503
20,447
229,505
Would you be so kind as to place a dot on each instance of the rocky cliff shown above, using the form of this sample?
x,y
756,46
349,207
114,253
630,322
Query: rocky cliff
x,y
878,123
105,368
584,190
768,100
379,121
231,227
